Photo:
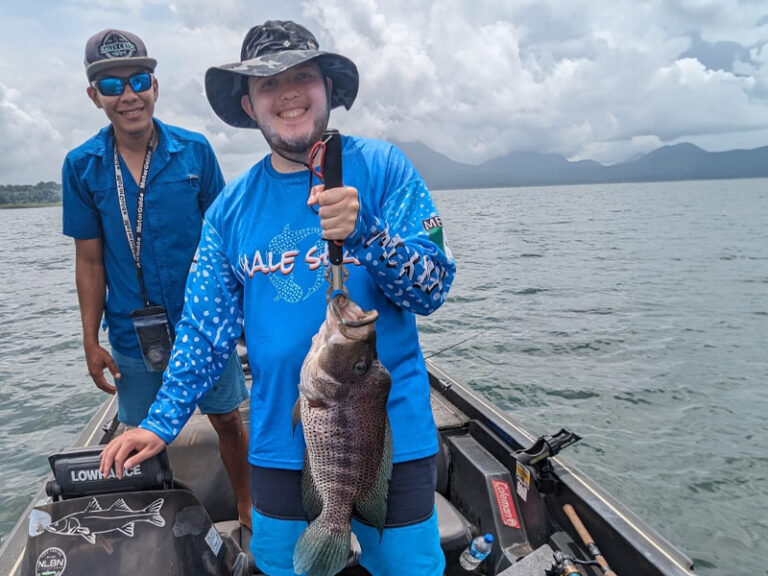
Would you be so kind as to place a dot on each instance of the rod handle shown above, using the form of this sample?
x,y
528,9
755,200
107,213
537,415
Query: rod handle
x,y
332,179
587,539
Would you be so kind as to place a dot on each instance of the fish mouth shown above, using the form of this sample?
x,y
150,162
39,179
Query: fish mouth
x,y
349,315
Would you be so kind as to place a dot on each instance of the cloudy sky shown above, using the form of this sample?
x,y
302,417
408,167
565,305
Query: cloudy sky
x,y
472,79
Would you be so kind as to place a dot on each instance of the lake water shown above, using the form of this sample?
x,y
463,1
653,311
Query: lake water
x,y
635,315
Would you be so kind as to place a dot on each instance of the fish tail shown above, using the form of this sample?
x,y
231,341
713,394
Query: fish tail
x,y
321,552
157,520
154,509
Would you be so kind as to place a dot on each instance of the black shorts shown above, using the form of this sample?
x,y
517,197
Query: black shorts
x,y
411,498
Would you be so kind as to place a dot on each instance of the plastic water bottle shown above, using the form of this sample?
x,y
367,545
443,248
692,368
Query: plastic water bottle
x,y
476,552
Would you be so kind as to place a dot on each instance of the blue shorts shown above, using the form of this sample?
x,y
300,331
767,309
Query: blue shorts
x,y
411,523
137,388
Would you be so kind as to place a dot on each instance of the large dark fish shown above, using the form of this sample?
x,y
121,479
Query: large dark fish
x,y
348,462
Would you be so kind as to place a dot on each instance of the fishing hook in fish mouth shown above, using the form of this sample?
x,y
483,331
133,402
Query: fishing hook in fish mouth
x,y
338,300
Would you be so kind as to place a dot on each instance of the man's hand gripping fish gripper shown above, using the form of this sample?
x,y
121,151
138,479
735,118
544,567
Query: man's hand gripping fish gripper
x,y
330,164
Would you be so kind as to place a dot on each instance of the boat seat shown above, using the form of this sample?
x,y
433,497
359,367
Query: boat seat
x,y
197,465
454,528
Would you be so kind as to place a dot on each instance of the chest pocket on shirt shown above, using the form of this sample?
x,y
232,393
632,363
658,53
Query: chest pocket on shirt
x,y
175,200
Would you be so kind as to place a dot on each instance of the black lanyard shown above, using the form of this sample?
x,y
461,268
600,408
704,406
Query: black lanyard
x,y
135,245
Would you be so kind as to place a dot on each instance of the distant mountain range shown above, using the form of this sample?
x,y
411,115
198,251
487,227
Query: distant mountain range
x,y
678,162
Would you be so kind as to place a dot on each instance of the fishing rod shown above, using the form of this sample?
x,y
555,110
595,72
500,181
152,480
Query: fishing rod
x,y
565,565
589,542
454,345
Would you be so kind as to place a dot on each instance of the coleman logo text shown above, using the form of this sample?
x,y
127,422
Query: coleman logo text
x,y
505,503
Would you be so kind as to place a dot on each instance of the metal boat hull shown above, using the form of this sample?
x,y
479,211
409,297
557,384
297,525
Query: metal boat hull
x,y
482,487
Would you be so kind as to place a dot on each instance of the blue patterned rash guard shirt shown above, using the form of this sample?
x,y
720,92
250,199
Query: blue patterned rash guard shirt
x,y
262,259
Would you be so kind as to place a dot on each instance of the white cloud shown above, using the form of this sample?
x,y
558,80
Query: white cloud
x,y
472,79
28,141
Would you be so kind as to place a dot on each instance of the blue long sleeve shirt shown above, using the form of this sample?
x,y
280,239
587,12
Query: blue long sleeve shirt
x,y
262,260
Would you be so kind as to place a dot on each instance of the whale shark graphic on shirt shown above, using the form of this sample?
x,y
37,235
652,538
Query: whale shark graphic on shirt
x,y
286,287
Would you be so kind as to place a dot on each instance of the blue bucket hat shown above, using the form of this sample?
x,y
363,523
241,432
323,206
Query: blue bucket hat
x,y
269,49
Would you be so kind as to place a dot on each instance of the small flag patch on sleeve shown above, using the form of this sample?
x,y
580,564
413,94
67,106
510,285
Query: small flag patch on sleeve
x,y
434,228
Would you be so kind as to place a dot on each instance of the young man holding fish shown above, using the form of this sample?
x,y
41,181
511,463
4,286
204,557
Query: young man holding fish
x,y
263,259
134,196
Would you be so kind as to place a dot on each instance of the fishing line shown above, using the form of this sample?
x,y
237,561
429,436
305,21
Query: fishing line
x,y
456,344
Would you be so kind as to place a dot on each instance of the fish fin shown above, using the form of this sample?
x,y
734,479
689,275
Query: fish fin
x,y
320,552
372,506
120,505
127,529
92,505
310,495
315,398
87,534
155,507
296,414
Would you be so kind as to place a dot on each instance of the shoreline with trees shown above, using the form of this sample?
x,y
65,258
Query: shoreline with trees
x,y
30,195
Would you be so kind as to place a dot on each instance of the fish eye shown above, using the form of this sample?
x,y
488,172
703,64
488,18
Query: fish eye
x,y
360,367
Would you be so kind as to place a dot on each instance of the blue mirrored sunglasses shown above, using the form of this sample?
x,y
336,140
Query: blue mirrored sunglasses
x,y
114,86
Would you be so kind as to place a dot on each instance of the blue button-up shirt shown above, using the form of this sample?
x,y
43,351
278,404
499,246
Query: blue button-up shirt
x,y
184,179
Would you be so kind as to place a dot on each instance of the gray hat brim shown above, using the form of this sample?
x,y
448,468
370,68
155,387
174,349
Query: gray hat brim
x,y
100,66
225,85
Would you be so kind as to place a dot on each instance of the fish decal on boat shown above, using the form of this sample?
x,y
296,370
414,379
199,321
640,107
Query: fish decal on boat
x,y
348,460
117,518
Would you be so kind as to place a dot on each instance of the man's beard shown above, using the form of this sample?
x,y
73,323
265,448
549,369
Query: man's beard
x,y
296,148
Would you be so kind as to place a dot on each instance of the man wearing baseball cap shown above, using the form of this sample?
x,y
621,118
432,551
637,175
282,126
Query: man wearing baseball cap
x,y
134,196
263,247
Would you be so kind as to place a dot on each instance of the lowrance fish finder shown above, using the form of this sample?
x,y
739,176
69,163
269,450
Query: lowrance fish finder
x,y
76,473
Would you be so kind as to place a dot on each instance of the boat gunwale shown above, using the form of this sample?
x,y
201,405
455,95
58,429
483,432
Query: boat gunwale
x,y
12,550
635,531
